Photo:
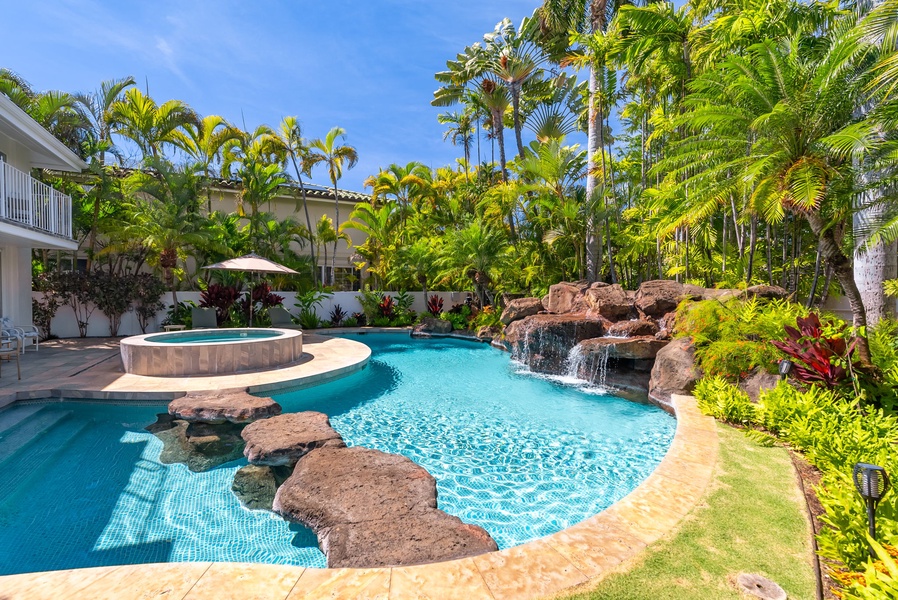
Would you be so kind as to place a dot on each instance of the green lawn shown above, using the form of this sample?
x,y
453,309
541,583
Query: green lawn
x,y
753,521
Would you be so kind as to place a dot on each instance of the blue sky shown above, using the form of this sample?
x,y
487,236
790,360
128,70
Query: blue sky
x,y
364,65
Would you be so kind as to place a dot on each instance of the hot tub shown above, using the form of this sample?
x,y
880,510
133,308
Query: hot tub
x,y
210,351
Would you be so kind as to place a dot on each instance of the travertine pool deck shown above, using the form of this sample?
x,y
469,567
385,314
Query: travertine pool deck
x,y
92,368
584,553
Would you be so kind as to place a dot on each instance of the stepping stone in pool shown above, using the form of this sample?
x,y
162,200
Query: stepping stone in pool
x,y
219,406
372,509
284,439
255,485
201,446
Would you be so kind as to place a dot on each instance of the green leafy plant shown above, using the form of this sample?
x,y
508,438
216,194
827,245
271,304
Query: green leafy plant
x,y
180,314
148,290
720,399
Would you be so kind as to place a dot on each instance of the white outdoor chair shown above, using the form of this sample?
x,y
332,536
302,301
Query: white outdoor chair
x,y
203,318
9,347
26,334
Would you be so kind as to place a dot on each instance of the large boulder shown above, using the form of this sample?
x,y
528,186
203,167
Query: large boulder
x,y
221,406
770,292
674,372
635,348
543,342
201,446
372,509
255,485
284,439
632,328
566,297
520,309
610,301
758,381
430,325
658,297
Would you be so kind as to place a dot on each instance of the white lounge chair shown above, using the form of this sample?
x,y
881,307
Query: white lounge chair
x,y
26,334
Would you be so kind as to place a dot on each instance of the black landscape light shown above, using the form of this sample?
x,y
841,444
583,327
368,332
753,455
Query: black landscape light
x,y
785,368
872,483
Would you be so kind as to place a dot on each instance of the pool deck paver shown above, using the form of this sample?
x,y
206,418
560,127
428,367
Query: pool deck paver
x,y
584,553
92,368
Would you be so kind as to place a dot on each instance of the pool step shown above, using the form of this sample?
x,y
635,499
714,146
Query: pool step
x,y
17,438
28,465
14,415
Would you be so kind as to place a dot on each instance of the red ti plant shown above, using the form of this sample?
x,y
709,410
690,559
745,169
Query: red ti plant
x,y
435,305
820,354
387,307
221,298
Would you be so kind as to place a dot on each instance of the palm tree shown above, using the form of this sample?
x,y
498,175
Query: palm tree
x,y
767,119
206,141
163,216
379,225
460,132
97,106
560,18
335,157
296,149
408,185
150,125
325,234
476,252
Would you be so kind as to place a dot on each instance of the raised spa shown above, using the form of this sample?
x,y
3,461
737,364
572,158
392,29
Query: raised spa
x,y
210,351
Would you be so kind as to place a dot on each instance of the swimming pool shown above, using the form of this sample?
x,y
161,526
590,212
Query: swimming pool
x,y
523,457
212,336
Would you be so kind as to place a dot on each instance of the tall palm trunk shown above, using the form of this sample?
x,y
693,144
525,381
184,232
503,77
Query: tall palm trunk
x,y
305,207
336,231
499,127
873,264
593,232
515,89
842,269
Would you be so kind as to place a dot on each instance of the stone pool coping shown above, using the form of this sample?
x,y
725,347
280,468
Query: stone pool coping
x,y
582,554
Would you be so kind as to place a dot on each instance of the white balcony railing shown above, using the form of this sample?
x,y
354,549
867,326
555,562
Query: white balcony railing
x,y
34,204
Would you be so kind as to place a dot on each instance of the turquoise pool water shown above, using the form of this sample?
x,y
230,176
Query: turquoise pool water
x,y
211,336
82,485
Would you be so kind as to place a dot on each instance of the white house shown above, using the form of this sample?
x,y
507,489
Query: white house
x,y
32,214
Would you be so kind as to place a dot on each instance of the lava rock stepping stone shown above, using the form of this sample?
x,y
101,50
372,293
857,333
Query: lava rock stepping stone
x,y
373,509
221,406
200,446
284,439
255,485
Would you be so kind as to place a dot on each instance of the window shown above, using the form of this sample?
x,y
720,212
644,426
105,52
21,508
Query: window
x,y
347,279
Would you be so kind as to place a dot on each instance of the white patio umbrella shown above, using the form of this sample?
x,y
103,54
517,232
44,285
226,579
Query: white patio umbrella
x,y
251,263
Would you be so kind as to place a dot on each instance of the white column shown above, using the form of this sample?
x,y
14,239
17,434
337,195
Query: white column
x,y
15,283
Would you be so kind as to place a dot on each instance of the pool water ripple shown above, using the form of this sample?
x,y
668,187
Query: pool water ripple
x,y
82,484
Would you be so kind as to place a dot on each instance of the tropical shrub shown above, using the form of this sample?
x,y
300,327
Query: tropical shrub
x,y
180,314
821,353
360,319
220,297
435,305
716,397
488,317
338,315
76,289
370,301
148,290
386,309
112,294
43,310
458,320
307,303
735,359
350,322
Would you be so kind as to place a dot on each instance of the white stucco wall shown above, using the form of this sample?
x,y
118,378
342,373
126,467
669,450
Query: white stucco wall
x,y
15,283
65,326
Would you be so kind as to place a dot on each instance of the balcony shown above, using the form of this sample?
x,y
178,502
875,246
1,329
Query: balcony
x,y
27,202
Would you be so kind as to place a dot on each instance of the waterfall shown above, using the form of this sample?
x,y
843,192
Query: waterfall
x,y
592,368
